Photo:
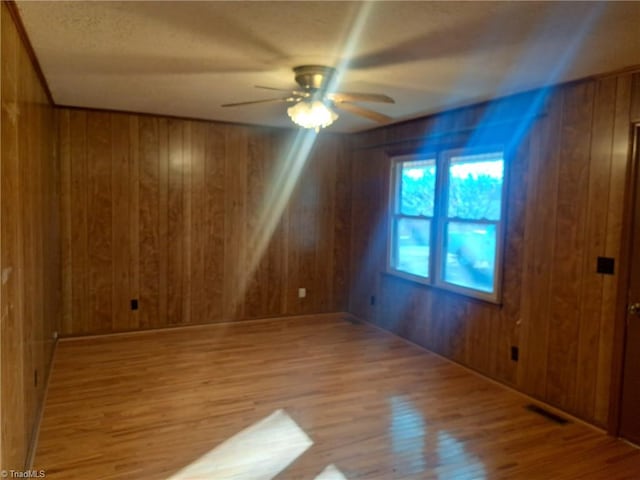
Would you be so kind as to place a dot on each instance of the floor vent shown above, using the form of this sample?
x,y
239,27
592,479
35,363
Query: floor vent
x,y
547,414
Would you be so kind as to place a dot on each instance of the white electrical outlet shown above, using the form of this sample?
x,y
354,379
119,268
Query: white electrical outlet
x,y
302,292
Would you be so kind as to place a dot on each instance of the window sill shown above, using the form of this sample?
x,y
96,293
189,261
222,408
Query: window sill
x,y
419,282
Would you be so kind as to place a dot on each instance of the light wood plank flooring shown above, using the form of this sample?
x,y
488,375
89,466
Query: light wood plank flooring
x,y
147,405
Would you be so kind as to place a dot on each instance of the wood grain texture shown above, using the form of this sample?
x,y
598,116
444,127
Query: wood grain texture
x,y
374,406
570,242
539,245
369,171
30,268
565,208
172,213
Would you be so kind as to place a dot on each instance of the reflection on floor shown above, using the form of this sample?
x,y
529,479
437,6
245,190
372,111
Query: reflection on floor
x,y
260,452
298,399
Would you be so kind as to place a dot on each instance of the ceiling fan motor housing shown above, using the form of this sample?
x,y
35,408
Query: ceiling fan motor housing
x,y
313,77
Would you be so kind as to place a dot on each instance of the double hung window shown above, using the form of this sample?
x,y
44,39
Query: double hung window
x,y
447,219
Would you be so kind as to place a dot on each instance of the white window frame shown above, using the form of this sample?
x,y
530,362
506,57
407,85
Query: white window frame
x,y
394,215
440,219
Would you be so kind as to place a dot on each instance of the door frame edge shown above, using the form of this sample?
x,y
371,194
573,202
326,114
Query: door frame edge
x,y
632,184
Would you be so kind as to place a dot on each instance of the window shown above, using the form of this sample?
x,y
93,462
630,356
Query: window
x,y
447,219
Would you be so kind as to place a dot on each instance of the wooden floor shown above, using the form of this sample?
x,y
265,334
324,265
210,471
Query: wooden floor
x,y
355,402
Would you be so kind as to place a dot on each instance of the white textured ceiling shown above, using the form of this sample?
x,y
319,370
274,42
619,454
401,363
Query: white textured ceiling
x,y
188,58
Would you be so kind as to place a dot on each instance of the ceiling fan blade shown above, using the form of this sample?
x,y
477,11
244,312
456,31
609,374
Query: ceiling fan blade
x,y
268,100
272,88
363,112
297,93
360,97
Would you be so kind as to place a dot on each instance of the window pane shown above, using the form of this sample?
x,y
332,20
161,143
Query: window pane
x,y
475,186
471,255
417,187
412,246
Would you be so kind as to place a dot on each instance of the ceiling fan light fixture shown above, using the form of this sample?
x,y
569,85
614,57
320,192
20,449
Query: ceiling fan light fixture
x,y
312,114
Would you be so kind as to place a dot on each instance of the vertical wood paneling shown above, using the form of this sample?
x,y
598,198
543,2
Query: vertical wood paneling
x,y
30,268
234,225
565,208
175,210
198,312
120,231
325,159
214,174
276,249
506,334
595,235
341,230
539,248
619,170
368,223
634,109
134,220
257,286
99,221
302,220
14,391
180,201
163,223
28,187
64,152
187,222
79,222
149,222
570,241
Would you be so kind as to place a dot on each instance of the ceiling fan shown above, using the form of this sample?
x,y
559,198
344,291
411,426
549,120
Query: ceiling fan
x,y
314,102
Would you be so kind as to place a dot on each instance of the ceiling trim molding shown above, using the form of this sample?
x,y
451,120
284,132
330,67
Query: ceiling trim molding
x,y
12,7
292,128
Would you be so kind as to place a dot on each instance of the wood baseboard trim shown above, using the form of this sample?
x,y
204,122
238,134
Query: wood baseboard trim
x,y
35,433
310,316
526,397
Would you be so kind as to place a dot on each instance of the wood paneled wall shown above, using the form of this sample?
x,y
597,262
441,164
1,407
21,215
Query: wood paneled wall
x,y
565,208
193,220
30,289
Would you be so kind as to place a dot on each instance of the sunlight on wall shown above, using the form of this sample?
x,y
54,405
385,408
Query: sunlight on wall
x,y
258,452
536,49
503,124
291,163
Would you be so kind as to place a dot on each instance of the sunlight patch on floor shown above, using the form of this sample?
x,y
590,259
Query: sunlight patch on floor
x,y
331,473
258,452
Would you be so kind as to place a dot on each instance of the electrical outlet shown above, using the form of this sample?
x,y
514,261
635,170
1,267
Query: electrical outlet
x,y
515,354
302,292
134,304
605,265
